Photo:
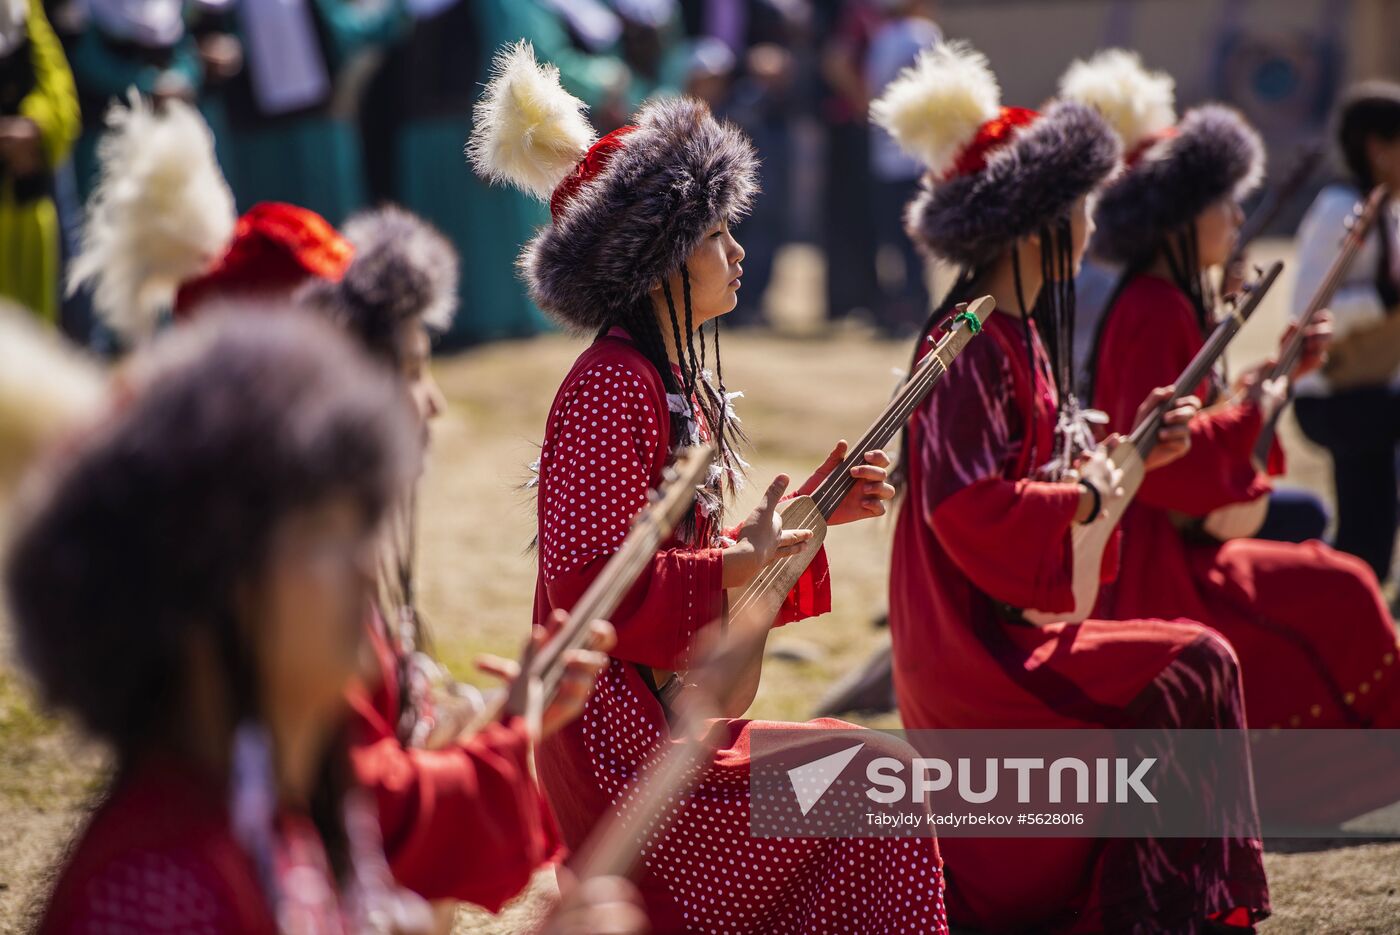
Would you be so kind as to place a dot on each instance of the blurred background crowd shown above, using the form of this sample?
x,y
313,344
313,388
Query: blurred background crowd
x,y
339,104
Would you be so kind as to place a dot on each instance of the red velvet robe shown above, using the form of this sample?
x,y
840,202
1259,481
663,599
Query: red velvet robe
x,y
606,442
973,532
466,821
160,856
1316,644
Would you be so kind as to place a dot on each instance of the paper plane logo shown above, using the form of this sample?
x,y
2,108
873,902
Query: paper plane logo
x,y
811,780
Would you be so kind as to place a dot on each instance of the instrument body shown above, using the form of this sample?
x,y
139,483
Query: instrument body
x,y
799,512
1088,540
1236,520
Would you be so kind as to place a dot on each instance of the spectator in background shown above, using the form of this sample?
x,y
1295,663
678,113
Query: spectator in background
x,y
1358,419
652,46
489,225
761,105
709,73
214,25
125,44
902,303
38,124
848,226
293,105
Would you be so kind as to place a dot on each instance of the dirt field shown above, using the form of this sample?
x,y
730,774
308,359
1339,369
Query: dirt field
x,y
803,392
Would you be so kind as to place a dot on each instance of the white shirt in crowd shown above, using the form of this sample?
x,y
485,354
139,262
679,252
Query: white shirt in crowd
x,y
1357,301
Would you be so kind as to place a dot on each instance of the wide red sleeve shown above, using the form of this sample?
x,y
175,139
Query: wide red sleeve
x,y
464,822
1009,536
1011,539
1152,339
603,446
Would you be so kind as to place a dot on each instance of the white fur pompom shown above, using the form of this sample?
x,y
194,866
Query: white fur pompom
x,y
1136,102
161,213
528,131
935,107
47,388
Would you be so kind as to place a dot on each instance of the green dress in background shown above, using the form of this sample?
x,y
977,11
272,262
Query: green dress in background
x,y
489,224
313,158
29,231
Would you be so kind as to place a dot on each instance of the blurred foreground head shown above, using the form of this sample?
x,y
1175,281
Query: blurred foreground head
x,y
212,537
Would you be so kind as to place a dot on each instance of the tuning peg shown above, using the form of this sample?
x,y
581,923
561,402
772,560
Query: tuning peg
x,y
947,324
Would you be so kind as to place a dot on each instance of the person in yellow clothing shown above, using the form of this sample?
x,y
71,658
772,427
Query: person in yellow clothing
x,y
38,124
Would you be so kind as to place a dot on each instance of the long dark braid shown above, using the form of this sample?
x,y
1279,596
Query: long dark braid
x,y
1054,311
641,323
1182,253
1053,314
398,608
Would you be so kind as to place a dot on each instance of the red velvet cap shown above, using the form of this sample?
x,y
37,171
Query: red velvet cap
x,y
593,162
275,248
991,136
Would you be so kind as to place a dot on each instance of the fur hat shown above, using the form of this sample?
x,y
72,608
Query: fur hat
x,y
626,210
160,213
403,268
1173,170
995,173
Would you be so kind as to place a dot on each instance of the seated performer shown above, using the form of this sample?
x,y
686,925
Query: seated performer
x,y
999,467
210,644
1356,417
462,817
640,256
1316,644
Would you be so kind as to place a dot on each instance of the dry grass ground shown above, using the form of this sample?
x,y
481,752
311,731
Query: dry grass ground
x,y
803,392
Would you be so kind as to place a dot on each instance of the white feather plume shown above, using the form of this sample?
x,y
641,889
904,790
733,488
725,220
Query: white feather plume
x,y
935,107
47,388
161,213
1136,102
527,131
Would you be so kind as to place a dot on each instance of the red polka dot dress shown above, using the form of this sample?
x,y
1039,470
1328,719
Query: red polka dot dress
x,y
607,440
160,856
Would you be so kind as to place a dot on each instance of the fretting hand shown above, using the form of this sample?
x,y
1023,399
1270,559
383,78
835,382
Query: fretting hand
x,y
867,497
1174,437
1317,339
761,539
581,669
